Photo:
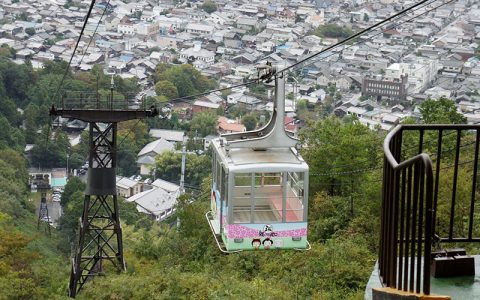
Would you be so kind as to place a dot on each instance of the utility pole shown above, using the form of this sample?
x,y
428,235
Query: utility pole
x,y
100,233
182,174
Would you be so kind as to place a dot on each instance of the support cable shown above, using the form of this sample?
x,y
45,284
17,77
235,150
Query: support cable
x,y
352,37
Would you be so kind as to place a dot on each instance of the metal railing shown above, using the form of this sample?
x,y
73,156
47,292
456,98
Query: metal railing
x,y
428,196
101,101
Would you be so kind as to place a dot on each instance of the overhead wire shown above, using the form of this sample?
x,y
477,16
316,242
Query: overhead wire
x,y
92,4
389,19
352,37
94,32
424,3
414,7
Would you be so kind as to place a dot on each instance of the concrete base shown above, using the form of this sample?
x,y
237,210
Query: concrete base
x,y
462,287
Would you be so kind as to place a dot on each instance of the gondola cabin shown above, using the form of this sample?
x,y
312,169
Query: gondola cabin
x,y
259,193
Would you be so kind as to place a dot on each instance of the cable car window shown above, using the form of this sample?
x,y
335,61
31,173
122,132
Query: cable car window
x,y
219,179
222,184
225,189
268,178
268,198
242,198
243,179
214,167
294,198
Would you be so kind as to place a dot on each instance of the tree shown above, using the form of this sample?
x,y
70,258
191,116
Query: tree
x,y
30,31
333,31
168,167
6,51
184,77
166,88
127,157
209,6
250,122
335,142
366,18
51,152
204,123
441,111
31,115
73,185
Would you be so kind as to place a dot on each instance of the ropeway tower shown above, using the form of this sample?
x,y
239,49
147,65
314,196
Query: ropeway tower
x,y
100,233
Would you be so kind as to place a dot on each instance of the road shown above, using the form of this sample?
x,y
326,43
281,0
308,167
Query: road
x,y
54,211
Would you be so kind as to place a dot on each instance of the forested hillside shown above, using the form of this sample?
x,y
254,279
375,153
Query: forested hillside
x,y
345,158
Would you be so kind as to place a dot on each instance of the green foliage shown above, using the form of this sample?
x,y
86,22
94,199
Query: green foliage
x,y
127,157
204,123
50,152
250,122
73,185
333,31
166,88
15,80
30,31
441,111
6,51
184,77
209,6
168,167
333,142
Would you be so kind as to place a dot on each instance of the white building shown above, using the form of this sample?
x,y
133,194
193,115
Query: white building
x,y
420,73
146,156
197,53
127,187
158,202
199,29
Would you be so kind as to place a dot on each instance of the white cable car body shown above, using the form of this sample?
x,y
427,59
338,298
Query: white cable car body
x,y
259,196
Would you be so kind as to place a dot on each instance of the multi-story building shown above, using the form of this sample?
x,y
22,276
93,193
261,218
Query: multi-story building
x,y
395,89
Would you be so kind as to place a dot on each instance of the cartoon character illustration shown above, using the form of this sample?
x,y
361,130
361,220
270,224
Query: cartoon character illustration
x,y
267,231
267,243
256,243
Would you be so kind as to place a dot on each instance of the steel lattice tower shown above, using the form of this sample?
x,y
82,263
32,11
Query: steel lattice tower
x,y
100,233
43,217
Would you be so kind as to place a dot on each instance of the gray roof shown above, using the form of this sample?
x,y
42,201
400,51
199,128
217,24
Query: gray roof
x,y
157,146
166,134
154,201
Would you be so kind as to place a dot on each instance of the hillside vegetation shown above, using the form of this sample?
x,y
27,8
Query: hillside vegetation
x,y
181,263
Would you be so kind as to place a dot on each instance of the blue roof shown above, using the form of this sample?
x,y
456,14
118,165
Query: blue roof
x,y
59,182
283,47
126,58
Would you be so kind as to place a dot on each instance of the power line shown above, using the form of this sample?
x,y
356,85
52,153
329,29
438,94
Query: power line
x,y
92,4
346,172
369,37
389,19
354,36
94,32
182,99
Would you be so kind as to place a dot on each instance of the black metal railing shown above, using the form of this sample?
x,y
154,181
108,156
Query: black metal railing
x,y
429,192
101,101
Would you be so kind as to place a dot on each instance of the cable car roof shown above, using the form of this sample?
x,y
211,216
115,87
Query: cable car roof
x,y
249,160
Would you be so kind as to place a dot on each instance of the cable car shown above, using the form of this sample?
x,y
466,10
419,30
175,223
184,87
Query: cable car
x,y
259,196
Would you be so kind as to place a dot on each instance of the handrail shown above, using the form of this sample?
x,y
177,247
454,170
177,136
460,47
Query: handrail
x,y
395,261
411,194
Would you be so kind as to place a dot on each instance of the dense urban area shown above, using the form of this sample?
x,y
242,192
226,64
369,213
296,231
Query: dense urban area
x,y
422,67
